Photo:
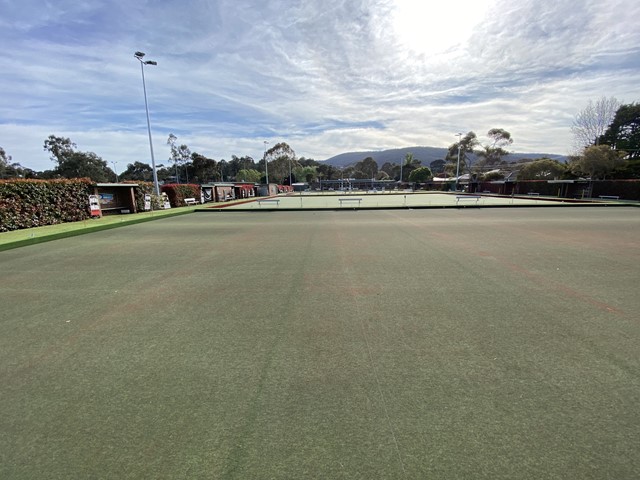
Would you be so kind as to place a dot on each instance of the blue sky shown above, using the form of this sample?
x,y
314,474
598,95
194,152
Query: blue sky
x,y
325,76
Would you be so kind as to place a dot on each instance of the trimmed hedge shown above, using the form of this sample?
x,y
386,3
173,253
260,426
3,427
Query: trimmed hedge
x,y
34,203
177,192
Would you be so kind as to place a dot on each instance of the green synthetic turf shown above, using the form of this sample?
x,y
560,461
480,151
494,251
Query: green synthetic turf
x,y
33,236
360,344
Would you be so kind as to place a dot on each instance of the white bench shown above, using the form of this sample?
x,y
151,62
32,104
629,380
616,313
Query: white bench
x,y
269,200
347,199
467,197
610,197
534,194
190,201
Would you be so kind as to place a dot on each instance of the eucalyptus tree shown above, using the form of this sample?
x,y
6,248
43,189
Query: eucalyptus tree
x,y
281,160
492,153
74,164
180,155
461,150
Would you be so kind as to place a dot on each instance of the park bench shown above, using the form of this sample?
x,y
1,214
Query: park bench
x,y
190,201
269,200
467,197
610,197
343,200
534,194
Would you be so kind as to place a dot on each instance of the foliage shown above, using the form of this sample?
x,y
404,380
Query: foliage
x,y
204,169
420,175
304,174
4,162
327,172
591,123
138,171
437,166
409,165
542,169
177,192
146,188
34,203
598,161
368,167
492,176
624,131
180,155
492,153
250,175
75,164
389,168
462,149
281,159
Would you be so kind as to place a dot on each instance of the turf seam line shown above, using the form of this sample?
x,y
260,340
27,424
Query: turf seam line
x,y
384,401
375,374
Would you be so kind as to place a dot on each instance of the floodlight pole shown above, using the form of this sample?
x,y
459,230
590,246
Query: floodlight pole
x,y
139,56
459,135
114,170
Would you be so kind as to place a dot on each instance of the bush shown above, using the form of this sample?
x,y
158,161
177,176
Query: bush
x,y
177,192
146,188
34,203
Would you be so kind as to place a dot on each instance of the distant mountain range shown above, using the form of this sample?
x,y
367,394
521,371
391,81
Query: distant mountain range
x,y
425,154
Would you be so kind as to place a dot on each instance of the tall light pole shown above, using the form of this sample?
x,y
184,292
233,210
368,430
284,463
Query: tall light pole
x,y
266,168
139,56
459,135
114,170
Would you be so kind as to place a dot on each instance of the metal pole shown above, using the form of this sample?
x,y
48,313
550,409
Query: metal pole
x,y
115,171
459,135
146,107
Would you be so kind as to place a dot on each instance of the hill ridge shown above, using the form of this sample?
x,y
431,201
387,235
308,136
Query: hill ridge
x,y
425,154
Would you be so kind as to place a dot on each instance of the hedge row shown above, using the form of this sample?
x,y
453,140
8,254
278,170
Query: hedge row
x,y
145,188
34,203
177,192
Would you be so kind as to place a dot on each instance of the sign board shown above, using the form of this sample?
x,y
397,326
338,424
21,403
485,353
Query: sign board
x,y
147,202
165,201
94,206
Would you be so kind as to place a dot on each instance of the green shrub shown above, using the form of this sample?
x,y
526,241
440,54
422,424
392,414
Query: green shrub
x,y
146,188
177,192
34,203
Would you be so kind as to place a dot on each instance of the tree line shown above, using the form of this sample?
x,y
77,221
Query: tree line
x,y
606,135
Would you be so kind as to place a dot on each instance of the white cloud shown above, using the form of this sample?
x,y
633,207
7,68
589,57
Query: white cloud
x,y
325,76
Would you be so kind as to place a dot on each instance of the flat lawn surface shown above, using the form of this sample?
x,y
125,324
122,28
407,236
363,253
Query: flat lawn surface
x,y
392,199
493,344
38,234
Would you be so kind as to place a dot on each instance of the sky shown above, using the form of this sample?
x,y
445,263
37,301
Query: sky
x,y
324,76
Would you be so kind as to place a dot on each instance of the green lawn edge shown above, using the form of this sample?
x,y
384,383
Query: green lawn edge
x,y
41,234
